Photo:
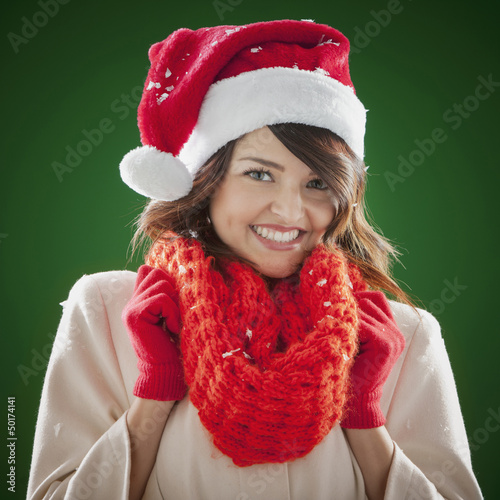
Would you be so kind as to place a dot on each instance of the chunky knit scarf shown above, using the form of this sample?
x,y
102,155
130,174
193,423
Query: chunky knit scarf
x,y
268,372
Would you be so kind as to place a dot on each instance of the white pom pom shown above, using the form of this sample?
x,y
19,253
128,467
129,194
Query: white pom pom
x,y
155,174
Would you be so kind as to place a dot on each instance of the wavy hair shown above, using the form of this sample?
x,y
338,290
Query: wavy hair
x,y
328,156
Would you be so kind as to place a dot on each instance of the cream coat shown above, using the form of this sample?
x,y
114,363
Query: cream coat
x,y
82,447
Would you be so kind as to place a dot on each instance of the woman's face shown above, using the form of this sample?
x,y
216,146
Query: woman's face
x,y
270,208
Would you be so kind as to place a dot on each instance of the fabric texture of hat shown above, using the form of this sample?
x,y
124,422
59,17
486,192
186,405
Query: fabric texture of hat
x,y
212,85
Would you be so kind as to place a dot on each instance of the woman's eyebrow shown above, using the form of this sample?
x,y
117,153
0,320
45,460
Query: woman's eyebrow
x,y
262,161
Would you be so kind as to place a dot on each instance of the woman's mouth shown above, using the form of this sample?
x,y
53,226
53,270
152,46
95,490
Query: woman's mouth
x,y
277,236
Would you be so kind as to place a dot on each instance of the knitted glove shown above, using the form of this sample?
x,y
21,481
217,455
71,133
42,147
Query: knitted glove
x,y
150,316
380,345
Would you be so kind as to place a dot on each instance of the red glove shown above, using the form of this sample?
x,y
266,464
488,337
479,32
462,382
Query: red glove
x,y
150,316
380,345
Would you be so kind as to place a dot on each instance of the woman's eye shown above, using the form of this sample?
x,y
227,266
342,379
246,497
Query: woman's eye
x,y
317,184
259,175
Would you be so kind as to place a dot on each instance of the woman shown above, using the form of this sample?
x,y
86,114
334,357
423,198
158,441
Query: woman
x,y
264,358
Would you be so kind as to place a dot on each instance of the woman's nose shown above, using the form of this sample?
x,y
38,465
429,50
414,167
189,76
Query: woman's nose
x,y
288,205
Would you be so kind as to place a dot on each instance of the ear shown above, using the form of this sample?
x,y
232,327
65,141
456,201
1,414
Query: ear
x,y
215,191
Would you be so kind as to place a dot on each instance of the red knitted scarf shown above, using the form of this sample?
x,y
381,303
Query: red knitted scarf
x,y
268,372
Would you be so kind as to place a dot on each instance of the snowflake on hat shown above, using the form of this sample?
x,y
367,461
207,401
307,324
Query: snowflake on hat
x,y
210,86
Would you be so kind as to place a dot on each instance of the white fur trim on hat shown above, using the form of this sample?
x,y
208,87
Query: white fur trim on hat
x,y
238,105
155,174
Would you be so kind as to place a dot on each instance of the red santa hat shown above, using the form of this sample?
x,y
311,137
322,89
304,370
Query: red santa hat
x,y
210,86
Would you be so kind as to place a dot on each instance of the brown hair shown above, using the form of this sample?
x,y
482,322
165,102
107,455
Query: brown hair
x,y
327,155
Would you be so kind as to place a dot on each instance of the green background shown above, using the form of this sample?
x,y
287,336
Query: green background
x,y
87,64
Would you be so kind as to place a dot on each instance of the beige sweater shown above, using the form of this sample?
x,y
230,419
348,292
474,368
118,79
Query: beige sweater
x,y
82,447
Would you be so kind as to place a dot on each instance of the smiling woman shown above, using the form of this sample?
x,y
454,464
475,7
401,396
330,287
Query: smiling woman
x,y
257,336
255,209
335,185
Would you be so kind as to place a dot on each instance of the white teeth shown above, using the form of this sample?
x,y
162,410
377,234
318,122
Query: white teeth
x,y
276,235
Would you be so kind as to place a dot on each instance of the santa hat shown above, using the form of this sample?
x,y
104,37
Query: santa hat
x,y
210,86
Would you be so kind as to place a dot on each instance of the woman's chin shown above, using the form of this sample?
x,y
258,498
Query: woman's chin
x,y
278,270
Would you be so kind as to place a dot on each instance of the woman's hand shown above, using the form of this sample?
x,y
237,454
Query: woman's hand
x,y
380,345
151,315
